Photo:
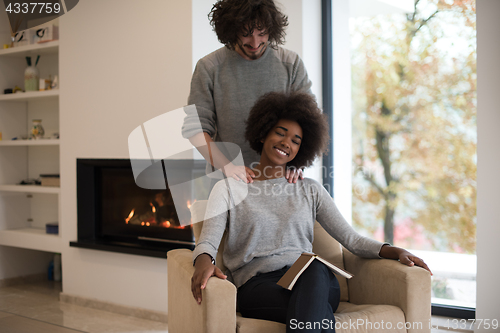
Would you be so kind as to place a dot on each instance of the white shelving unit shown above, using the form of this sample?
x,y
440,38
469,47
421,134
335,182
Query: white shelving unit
x,y
30,95
31,238
25,209
47,142
29,50
30,189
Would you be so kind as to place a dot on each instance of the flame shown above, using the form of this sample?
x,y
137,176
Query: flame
x,y
129,216
150,220
189,204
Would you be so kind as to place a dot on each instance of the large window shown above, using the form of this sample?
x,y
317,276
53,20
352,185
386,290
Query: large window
x,y
414,138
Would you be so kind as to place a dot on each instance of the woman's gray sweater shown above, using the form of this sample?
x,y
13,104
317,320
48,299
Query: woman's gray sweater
x,y
273,225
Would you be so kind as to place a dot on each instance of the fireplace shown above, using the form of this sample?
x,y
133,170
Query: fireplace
x,y
115,214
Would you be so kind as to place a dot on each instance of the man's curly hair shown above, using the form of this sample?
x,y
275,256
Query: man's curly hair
x,y
296,106
232,17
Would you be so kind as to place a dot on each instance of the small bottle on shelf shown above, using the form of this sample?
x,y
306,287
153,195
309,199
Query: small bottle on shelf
x,y
31,76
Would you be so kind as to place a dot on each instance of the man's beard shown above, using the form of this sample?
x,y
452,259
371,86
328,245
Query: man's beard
x,y
255,55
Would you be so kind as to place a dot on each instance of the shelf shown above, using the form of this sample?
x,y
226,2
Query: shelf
x,y
23,51
30,95
43,142
45,204
30,189
31,238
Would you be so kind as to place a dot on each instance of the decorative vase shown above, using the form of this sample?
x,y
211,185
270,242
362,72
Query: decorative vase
x,y
37,131
31,79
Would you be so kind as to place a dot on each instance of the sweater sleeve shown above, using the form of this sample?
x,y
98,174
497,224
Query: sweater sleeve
x,y
330,218
200,114
215,222
300,80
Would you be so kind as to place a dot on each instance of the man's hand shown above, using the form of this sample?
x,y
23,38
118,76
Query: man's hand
x,y
292,174
205,145
404,257
239,173
204,269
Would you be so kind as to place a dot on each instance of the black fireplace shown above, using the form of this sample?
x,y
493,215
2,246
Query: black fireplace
x,y
116,214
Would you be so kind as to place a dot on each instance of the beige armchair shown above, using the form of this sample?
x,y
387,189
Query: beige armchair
x,y
383,295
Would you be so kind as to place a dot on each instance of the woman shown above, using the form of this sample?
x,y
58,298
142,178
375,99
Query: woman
x,y
273,225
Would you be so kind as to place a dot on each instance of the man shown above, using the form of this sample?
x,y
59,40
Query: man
x,y
227,82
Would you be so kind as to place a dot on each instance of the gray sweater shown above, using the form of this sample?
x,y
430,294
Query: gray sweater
x,y
273,225
225,86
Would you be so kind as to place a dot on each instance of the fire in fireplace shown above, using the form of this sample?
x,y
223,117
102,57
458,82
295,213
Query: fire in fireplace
x,y
115,214
160,213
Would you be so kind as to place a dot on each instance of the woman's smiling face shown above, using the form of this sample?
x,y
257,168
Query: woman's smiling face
x,y
282,143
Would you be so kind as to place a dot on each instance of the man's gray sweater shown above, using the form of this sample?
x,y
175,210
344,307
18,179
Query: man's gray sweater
x,y
225,86
273,225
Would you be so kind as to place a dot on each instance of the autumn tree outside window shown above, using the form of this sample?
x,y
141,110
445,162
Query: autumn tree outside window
x,y
414,127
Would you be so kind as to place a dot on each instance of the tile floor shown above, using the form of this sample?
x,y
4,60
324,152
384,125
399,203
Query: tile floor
x,y
35,308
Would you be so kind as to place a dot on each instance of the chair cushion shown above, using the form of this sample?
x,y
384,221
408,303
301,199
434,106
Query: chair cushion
x,y
328,248
368,318
349,318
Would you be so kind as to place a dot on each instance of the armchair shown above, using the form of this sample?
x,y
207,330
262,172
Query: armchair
x,y
383,295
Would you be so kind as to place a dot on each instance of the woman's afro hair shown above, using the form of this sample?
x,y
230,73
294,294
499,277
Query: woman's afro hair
x,y
297,106
232,17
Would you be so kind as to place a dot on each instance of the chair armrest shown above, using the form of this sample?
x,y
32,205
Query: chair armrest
x,y
217,311
385,281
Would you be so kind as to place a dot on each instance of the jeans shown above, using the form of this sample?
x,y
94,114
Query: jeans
x,y
308,307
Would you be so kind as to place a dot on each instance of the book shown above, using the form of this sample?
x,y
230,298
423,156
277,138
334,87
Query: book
x,y
289,279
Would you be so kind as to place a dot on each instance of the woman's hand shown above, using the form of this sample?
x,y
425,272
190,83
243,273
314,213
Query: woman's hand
x,y
239,173
404,257
410,260
292,174
204,269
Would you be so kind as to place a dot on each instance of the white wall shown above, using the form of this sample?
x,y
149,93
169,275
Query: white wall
x,y
204,39
488,124
121,63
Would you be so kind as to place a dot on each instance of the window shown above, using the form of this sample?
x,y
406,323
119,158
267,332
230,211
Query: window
x,y
414,138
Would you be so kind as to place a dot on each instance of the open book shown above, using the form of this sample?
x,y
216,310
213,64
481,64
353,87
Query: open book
x,y
300,265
